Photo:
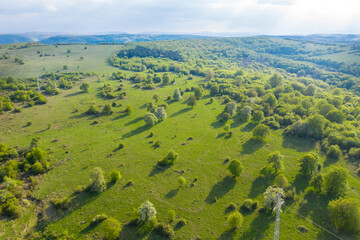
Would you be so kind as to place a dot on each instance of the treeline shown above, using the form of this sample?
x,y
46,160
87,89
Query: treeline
x,y
140,51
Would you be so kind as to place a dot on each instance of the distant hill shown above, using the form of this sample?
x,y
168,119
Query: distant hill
x,y
327,38
91,39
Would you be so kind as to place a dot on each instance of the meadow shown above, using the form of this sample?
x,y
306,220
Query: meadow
x,y
76,143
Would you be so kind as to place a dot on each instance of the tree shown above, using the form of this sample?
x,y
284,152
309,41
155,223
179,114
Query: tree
x,y
235,220
316,127
235,167
308,164
214,89
150,119
98,183
310,90
231,108
107,110
336,116
245,113
276,159
345,214
191,101
198,93
166,78
177,95
276,80
261,131
258,116
270,99
270,196
209,74
92,110
334,152
84,87
128,110
115,176
169,159
156,97
146,211
281,181
181,181
317,182
160,113
336,182
112,228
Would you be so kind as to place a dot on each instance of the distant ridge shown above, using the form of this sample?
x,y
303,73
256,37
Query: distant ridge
x,y
92,39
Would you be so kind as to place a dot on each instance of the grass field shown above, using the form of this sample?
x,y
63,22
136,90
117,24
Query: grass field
x,y
76,146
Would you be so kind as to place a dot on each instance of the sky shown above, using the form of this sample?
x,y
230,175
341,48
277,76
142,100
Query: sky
x,y
273,17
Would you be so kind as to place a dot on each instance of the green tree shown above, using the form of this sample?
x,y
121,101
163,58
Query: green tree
x,y
177,95
115,176
235,220
317,182
129,110
261,131
276,80
214,89
181,181
107,110
169,159
235,167
345,214
270,196
156,97
150,119
316,125
245,113
334,152
308,164
336,182
209,74
336,116
270,99
191,101
231,108
84,87
112,228
198,91
277,160
258,116
166,78
92,110
98,183
281,181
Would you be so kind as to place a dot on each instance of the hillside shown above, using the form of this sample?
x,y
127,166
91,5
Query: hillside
x,y
171,117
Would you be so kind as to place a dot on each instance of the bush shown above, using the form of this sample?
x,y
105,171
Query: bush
x,y
235,167
169,159
165,230
334,152
92,110
98,219
121,145
115,176
249,205
181,181
112,228
235,220
158,143
98,183
37,168
336,182
231,207
182,222
171,215
281,181
345,214
261,131
150,119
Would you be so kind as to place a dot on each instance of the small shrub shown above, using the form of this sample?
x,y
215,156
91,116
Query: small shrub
x,y
121,146
181,181
63,203
37,168
112,228
249,205
182,222
165,230
98,219
235,220
158,143
169,159
151,134
171,215
115,176
29,124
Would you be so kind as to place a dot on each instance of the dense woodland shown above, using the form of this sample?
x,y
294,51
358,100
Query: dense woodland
x,y
262,88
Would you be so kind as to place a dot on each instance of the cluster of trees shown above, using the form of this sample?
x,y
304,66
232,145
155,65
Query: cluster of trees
x,y
140,51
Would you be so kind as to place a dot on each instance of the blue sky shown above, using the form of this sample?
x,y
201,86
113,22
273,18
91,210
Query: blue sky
x,y
181,16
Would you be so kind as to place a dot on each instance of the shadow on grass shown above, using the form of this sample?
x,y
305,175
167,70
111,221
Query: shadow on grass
x,y
119,116
219,123
258,227
157,169
237,121
184,110
172,193
249,127
73,94
81,115
220,135
53,215
260,184
136,131
316,205
329,161
132,232
299,144
251,146
301,182
134,121
220,189
227,235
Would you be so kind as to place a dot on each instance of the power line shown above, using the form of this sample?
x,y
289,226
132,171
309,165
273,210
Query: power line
x,y
314,223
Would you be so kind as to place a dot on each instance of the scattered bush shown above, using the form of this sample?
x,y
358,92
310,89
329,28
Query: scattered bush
x,y
98,219
235,220
235,167
171,215
249,205
63,203
112,228
169,159
345,214
115,176
165,230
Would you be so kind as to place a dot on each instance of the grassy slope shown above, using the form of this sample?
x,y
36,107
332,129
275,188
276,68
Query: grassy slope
x,y
90,145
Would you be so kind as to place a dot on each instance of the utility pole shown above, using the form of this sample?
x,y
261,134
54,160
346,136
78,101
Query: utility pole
x,y
277,208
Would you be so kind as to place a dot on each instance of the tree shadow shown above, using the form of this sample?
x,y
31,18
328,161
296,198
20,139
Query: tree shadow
x,y
172,193
260,184
248,127
251,146
301,182
157,169
184,110
131,232
237,121
78,116
134,121
329,161
220,189
258,227
299,144
119,116
73,94
136,131
316,205
220,135
219,123
143,106
227,235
